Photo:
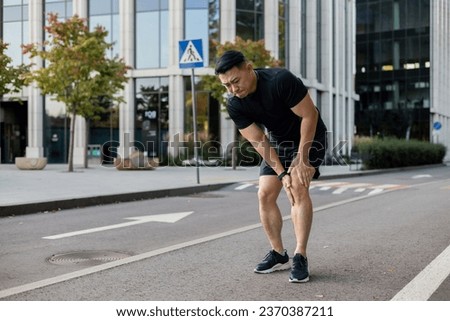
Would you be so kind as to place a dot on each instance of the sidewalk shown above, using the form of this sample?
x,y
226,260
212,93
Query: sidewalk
x,y
30,191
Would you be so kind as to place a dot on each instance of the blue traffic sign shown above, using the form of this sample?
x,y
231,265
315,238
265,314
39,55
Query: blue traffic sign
x,y
437,125
191,53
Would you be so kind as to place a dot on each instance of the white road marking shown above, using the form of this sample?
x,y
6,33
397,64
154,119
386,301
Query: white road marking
x,y
422,287
345,187
329,184
340,190
243,186
386,186
421,176
165,218
376,191
342,187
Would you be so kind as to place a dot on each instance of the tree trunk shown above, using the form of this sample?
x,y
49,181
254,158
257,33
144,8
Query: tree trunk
x,y
72,140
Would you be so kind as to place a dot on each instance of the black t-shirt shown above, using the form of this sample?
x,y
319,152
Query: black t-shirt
x,y
277,91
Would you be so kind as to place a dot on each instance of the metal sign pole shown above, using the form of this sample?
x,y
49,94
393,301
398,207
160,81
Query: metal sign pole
x,y
191,56
194,119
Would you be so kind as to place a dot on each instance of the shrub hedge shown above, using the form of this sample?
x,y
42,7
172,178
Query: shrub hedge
x,y
392,152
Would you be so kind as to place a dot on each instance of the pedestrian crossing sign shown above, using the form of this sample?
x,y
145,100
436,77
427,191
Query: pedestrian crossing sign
x,y
191,53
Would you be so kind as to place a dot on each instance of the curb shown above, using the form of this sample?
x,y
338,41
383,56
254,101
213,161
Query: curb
x,y
57,205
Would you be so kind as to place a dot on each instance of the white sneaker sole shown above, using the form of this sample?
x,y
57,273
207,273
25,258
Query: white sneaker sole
x,y
277,267
299,281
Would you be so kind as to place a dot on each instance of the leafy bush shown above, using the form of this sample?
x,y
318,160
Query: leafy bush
x,y
393,152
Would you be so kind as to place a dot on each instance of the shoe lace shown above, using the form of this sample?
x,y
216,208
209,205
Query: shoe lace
x,y
298,262
269,256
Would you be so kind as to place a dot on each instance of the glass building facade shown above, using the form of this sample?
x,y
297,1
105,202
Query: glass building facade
x,y
393,57
158,105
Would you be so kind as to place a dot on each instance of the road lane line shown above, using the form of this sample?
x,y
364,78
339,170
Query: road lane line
x,y
422,287
243,186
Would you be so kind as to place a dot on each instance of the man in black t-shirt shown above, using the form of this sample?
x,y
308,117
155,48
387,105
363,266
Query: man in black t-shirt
x,y
292,154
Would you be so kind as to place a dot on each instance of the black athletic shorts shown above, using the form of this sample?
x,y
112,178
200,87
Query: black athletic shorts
x,y
287,152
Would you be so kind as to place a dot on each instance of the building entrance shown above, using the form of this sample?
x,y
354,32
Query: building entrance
x,y
13,130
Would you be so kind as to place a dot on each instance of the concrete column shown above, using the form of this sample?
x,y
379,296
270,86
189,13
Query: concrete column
x,y
271,27
176,114
350,72
127,109
227,20
35,146
293,59
80,8
227,33
311,36
176,83
327,43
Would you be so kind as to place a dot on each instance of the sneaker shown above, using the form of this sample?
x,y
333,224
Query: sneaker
x,y
272,262
300,271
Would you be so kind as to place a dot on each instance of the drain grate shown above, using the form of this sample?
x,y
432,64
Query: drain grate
x,y
86,258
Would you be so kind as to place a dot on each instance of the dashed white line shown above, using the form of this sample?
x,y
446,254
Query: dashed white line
x,y
340,190
243,186
376,191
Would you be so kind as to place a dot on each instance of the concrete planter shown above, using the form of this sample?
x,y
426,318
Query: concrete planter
x,y
136,161
31,162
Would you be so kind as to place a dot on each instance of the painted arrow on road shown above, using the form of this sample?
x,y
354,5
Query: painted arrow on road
x,y
164,218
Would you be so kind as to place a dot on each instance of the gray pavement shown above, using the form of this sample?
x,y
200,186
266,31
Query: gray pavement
x,y
54,188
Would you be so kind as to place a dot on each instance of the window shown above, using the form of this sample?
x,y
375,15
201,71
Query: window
x,y
15,29
152,115
250,19
196,23
105,13
61,7
152,26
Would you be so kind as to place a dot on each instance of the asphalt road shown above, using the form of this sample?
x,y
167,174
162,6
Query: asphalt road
x,y
371,237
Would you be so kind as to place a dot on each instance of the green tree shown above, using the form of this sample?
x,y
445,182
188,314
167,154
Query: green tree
x,y
11,77
78,72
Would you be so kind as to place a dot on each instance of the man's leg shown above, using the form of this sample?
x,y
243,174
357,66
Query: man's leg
x,y
269,212
277,258
302,216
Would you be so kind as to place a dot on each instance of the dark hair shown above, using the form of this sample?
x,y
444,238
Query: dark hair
x,y
228,60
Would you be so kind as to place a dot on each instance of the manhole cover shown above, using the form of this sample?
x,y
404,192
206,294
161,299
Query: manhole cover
x,y
86,258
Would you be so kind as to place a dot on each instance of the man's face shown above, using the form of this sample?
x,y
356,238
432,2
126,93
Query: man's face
x,y
239,81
